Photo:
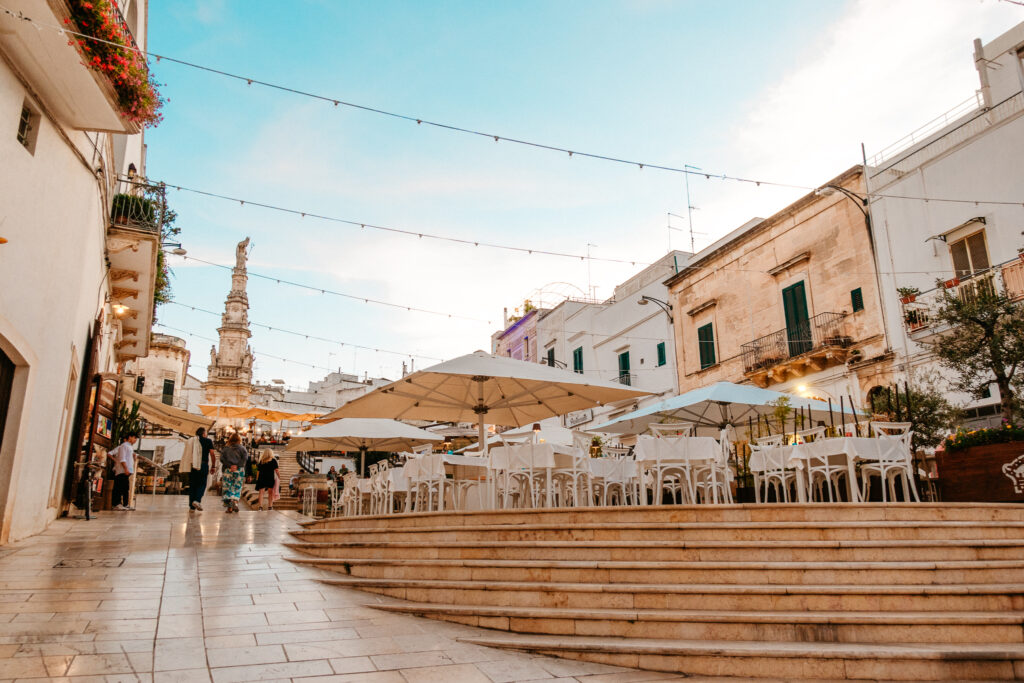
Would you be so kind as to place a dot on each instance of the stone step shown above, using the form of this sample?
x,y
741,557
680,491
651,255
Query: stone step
x,y
774,626
867,573
759,659
764,597
745,513
671,551
683,531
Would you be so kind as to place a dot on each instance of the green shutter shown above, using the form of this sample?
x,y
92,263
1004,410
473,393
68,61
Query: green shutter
x,y
577,360
706,343
662,359
857,299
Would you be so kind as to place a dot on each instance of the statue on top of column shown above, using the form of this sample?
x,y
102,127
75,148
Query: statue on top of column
x,y
240,255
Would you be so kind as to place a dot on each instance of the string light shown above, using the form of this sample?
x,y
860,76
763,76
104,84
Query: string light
x,y
311,336
459,129
258,353
341,294
401,231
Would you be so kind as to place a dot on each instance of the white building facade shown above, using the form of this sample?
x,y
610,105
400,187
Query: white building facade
x,y
972,153
76,288
618,340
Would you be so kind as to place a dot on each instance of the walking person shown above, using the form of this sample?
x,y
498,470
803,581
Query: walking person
x,y
124,465
232,463
197,460
266,480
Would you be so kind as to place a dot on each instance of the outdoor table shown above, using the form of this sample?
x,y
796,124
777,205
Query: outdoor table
x,y
852,448
539,456
681,451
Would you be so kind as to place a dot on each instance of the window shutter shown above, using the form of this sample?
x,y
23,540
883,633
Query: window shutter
x,y
706,343
857,299
662,358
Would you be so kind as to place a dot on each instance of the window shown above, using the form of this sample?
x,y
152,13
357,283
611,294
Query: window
x,y
140,382
857,300
662,356
706,344
551,357
969,254
577,360
624,376
168,396
28,127
526,348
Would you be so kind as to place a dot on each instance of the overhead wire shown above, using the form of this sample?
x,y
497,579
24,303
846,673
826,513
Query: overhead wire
x,y
324,290
311,336
686,169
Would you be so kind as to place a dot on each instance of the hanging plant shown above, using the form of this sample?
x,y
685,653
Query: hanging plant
x,y
115,55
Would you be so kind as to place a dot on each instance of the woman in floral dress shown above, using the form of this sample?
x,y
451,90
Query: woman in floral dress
x,y
232,462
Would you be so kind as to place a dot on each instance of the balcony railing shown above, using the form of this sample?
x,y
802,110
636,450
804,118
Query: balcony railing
x,y
138,205
822,331
919,311
626,378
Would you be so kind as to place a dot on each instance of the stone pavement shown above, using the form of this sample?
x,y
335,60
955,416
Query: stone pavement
x,y
163,595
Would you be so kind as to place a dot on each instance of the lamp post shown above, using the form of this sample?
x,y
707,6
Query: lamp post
x,y
664,305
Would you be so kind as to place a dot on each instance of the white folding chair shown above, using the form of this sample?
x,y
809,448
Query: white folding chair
x,y
772,440
673,429
888,469
351,498
664,472
571,483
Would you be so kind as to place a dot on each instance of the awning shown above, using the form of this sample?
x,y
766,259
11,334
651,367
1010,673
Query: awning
x,y
166,416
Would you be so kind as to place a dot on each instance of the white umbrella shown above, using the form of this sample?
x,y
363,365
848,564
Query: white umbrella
x,y
362,434
717,405
482,388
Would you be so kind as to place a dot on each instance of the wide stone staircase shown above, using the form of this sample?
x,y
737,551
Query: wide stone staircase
x,y
850,591
288,466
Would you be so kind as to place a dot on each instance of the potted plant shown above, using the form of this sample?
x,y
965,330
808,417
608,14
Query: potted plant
x,y
908,294
128,208
983,464
914,319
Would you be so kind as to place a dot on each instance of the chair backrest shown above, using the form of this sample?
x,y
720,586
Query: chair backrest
x,y
373,469
814,434
895,429
672,429
581,441
615,451
772,440
425,449
766,458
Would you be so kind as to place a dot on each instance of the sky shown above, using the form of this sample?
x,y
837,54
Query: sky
x,y
783,91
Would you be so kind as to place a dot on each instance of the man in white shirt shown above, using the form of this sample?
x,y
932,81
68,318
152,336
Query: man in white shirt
x,y
124,464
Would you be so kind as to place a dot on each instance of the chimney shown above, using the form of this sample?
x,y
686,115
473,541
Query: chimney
x,y
505,316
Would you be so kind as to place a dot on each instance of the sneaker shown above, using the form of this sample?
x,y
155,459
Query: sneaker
x,y
119,508
197,506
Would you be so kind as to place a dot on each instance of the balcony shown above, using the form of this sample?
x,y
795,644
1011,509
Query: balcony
x,y
133,242
919,312
625,378
78,96
792,352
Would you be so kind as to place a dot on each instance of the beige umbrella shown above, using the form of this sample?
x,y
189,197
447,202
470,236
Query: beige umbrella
x,y
167,416
486,389
363,434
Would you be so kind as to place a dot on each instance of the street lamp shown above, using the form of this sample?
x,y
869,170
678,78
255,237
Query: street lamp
x,y
665,306
177,250
859,200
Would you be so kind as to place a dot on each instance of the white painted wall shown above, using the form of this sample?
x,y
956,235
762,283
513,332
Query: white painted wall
x,y
52,287
976,157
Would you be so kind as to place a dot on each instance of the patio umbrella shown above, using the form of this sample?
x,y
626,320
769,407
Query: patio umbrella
x,y
362,434
482,388
715,406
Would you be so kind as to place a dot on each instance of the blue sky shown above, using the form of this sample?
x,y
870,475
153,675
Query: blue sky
x,y
776,90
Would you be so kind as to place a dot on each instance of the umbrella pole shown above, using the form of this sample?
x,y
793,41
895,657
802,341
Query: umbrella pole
x,y
362,461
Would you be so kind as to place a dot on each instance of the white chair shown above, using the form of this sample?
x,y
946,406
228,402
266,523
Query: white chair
x,y
616,481
771,440
767,464
711,478
896,464
523,485
673,429
309,501
351,498
431,484
664,471
572,483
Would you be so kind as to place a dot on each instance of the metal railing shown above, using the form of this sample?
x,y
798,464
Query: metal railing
x,y
972,103
138,205
919,310
309,462
126,30
823,330
625,378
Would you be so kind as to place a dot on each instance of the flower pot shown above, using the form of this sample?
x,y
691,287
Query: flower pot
x,y
909,299
992,473
949,284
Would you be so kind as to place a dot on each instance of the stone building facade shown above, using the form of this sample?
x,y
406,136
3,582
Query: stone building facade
x,y
790,302
162,374
229,375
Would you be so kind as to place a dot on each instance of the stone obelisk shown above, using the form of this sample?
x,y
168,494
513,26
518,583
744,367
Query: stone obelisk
x,y
229,375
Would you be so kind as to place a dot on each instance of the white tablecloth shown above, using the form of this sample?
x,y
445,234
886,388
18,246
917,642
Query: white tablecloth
x,y
678,449
849,448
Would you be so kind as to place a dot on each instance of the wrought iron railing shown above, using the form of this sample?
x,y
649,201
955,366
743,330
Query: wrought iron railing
x,y
823,330
309,462
126,30
919,310
138,205
626,378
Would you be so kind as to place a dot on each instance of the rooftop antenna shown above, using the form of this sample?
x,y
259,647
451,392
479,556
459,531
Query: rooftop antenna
x,y
590,287
689,205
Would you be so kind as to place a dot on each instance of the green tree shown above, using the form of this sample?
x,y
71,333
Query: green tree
x,y
930,414
985,342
